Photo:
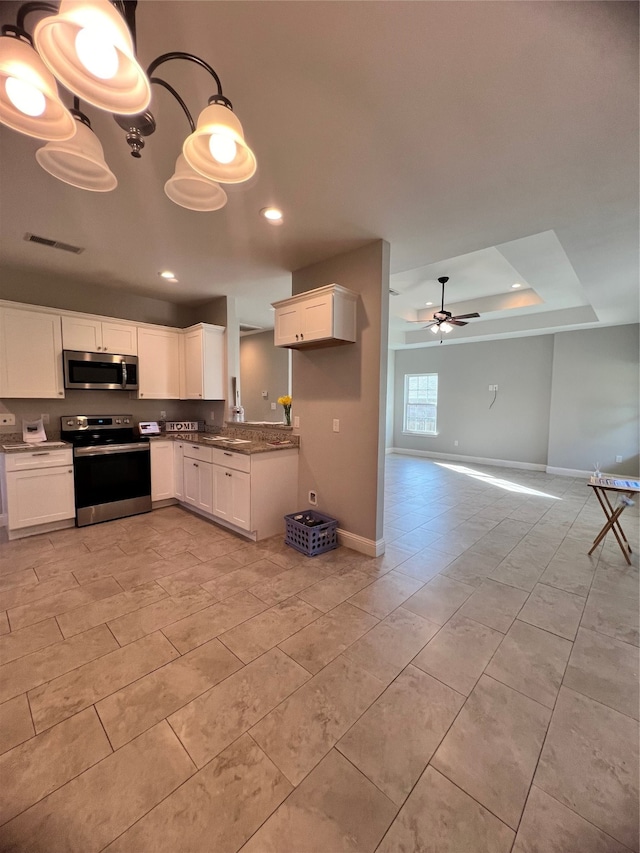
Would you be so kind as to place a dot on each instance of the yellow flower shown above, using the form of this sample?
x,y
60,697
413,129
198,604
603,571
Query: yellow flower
x,y
284,401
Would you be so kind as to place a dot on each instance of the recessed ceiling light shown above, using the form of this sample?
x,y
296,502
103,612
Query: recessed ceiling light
x,y
428,303
516,286
272,215
167,275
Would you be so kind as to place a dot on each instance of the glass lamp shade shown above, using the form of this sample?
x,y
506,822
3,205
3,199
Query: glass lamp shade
x,y
189,189
218,121
79,161
46,116
106,73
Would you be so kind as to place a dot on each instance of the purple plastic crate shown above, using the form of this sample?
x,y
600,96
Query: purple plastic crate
x,y
311,540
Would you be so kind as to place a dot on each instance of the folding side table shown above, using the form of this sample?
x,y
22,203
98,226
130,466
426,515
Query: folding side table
x,y
625,488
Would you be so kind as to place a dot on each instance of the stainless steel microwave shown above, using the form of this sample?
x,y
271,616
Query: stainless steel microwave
x,y
100,371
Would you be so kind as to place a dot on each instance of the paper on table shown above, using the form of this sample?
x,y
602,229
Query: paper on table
x,y
631,485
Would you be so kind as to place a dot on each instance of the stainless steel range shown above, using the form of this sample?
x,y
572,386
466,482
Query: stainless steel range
x,y
112,467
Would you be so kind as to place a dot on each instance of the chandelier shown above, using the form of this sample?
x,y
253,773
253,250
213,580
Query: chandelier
x,y
89,47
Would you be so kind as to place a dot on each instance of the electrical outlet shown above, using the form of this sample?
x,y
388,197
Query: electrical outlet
x,y
618,458
495,387
490,387
265,394
273,407
336,425
7,419
296,422
45,419
163,416
455,443
313,498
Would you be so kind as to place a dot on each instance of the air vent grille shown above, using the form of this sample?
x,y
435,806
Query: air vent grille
x,y
54,244
244,327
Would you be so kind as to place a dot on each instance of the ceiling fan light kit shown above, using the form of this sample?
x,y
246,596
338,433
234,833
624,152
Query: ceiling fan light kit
x,y
90,48
443,321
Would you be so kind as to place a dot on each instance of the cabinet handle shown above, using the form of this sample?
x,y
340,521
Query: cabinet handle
x,y
301,337
226,453
297,338
195,464
70,471
41,453
59,393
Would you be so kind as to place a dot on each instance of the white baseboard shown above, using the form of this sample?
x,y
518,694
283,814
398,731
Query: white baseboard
x,y
480,460
568,472
370,547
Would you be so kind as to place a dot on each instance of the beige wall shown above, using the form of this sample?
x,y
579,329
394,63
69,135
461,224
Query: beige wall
x,y
594,400
56,291
515,428
263,367
348,383
565,401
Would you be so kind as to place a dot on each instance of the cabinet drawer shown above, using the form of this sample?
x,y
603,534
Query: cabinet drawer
x,y
197,451
237,461
38,459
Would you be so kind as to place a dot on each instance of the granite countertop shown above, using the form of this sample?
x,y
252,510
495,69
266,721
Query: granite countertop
x,y
237,445
14,446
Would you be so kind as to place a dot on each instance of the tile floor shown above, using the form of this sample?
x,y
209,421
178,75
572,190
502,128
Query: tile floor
x,y
167,686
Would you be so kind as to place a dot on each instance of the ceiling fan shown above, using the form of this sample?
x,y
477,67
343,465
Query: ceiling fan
x,y
443,321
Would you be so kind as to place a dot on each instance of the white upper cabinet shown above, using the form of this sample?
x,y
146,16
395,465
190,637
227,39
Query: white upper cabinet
x,y
30,354
322,317
158,363
202,362
90,334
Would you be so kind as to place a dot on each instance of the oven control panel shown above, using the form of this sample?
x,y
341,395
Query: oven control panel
x,y
181,426
69,422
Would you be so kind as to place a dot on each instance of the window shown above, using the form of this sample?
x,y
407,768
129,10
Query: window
x,y
420,403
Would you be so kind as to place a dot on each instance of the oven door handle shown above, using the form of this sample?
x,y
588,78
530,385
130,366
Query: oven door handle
x,y
111,448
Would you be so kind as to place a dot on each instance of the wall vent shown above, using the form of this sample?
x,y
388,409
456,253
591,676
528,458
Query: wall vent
x,y
245,327
54,244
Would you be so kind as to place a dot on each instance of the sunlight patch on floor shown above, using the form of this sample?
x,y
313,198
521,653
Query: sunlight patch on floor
x,y
497,481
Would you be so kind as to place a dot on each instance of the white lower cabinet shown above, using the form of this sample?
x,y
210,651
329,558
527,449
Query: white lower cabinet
x,y
232,496
38,490
198,477
162,467
248,493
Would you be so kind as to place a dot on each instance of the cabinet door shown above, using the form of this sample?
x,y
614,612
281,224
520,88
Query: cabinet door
x,y
193,365
162,481
221,492
205,486
82,334
39,497
240,499
316,317
287,325
178,470
30,354
119,338
158,364
191,482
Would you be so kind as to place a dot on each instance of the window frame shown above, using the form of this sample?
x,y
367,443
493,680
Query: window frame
x,y
406,404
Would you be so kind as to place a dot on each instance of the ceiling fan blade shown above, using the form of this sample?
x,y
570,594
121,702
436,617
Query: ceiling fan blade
x,y
465,316
455,322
